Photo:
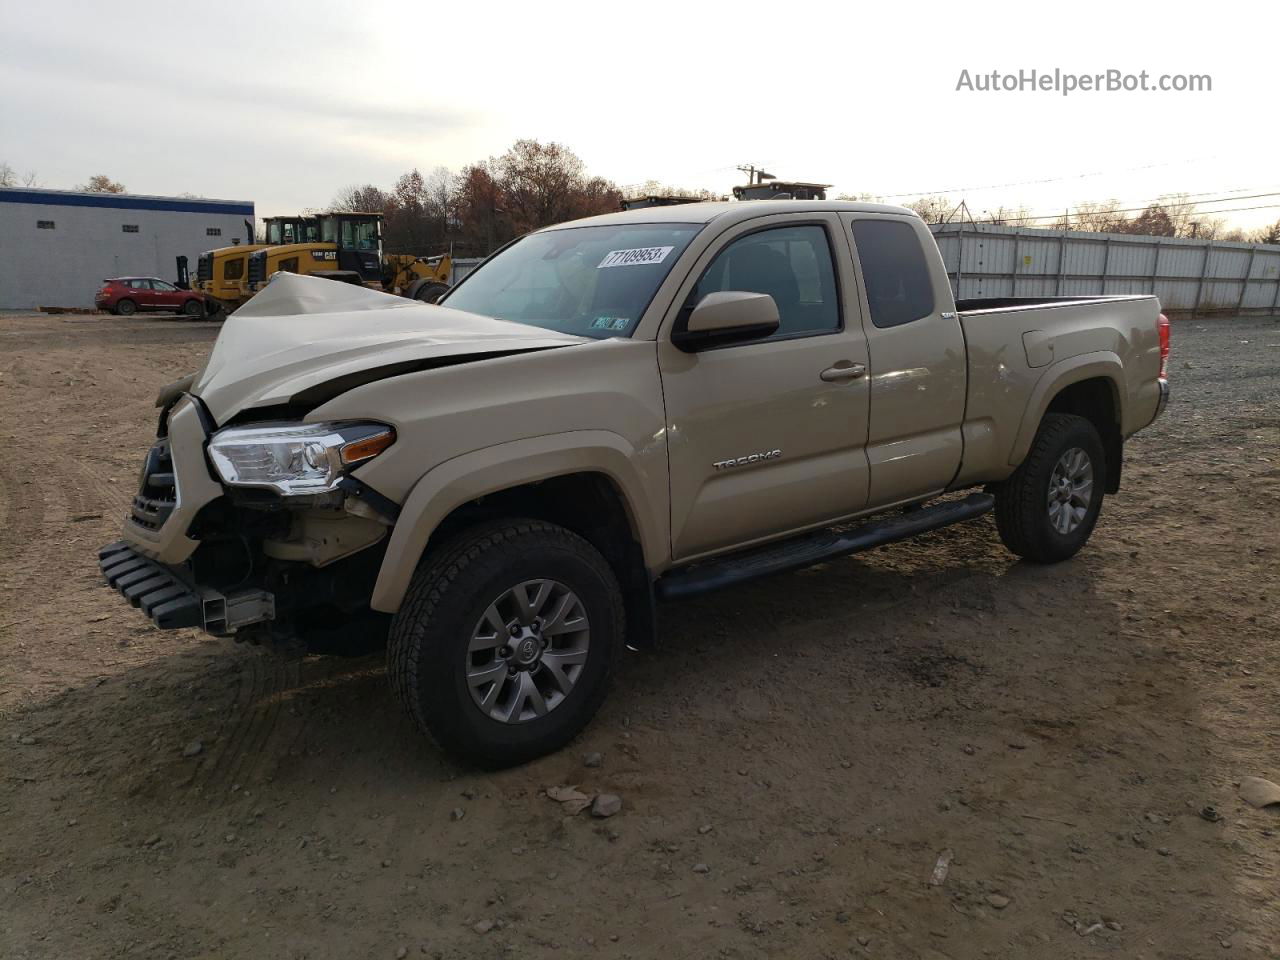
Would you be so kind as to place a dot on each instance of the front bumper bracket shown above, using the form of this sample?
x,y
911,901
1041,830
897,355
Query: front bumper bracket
x,y
164,595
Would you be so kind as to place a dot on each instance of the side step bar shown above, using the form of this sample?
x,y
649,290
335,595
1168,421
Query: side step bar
x,y
814,548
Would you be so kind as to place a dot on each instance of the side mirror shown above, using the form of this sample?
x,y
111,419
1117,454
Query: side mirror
x,y
727,316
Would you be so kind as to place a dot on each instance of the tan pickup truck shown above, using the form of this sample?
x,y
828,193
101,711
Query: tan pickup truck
x,y
609,412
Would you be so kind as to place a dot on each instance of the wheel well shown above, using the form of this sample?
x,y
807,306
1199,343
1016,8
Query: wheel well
x,y
590,505
1095,400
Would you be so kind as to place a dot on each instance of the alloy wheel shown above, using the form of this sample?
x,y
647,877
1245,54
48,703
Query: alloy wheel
x,y
527,651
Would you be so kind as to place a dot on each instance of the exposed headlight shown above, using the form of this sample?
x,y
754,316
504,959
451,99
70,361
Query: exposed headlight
x,y
295,458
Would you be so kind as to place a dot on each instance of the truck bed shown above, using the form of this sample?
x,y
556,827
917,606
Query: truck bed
x,y
1020,348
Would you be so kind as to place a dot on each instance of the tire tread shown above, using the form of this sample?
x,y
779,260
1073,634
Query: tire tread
x,y
1019,500
437,573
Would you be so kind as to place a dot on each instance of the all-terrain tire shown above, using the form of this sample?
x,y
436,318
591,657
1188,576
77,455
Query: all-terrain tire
x,y
1023,501
428,649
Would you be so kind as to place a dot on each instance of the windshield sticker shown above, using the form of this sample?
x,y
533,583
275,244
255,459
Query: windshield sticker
x,y
610,323
636,257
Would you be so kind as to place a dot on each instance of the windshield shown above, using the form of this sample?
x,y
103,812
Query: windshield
x,y
589,281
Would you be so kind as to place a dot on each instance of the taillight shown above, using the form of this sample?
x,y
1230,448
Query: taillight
x,y
1162,325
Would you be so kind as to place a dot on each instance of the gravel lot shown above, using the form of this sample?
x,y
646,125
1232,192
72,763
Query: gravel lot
x,y
793,762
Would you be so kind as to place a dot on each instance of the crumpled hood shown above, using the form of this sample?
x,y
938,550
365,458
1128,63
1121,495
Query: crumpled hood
x,y
303,333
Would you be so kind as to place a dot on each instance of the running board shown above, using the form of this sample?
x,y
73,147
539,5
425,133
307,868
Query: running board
x,y
814,548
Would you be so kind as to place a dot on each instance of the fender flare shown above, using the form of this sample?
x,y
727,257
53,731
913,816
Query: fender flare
x,y
455,482
1056,377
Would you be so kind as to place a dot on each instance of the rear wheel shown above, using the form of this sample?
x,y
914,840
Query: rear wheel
x,y
193,308
126,307
504,645
1046,511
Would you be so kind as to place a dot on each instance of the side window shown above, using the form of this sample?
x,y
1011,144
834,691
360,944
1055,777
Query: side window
x,y
162,286
140,284
791,264
894,271
234,269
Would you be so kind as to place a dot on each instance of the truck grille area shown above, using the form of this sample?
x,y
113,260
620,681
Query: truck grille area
x,y
158,492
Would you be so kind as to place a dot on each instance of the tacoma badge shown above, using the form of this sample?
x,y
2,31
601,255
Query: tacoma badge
x,y
744,461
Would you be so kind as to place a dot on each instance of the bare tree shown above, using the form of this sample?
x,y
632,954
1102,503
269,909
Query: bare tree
x,y
543,184
9,177
1154,221
363,198
1269,234
656,188
439,193
933,209
101,184
1007,216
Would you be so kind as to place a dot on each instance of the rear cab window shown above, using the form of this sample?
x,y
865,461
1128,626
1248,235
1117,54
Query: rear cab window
x,y
895,273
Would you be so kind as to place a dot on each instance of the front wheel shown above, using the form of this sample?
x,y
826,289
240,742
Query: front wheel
x,y
430,292
1046,511
504,645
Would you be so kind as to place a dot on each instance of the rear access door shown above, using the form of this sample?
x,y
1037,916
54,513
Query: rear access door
x,y
917,351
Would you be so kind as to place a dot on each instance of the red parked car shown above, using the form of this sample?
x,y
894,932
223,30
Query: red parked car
x,y
127,295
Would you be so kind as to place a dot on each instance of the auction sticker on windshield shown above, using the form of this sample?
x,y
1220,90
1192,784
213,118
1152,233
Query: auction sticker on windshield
x,y
635,257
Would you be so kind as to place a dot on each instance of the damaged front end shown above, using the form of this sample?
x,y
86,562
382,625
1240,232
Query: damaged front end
x,y
259,531
252,518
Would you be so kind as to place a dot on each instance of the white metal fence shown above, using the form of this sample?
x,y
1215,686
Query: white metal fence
x,y
1189,276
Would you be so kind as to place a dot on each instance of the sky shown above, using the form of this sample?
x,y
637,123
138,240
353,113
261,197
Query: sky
x,y
285,103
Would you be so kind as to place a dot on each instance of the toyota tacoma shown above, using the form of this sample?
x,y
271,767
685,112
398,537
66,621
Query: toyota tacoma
x,y
608,413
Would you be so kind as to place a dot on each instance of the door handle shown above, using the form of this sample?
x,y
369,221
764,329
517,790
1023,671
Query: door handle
x,y
844,370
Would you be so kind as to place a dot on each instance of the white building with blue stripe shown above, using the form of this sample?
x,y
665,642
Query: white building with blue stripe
x,y
57,246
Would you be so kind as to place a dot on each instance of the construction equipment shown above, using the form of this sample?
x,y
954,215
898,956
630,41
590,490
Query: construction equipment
x,y
657,200
765,186
418,278
781,190
348,248
223,273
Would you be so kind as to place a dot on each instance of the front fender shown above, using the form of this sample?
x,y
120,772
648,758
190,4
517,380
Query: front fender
x,y
1056,377
455,482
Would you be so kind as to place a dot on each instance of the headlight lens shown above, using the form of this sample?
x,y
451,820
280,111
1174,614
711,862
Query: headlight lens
x,y
295,458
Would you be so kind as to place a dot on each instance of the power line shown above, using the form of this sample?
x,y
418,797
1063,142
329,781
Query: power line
x,y
1059,213
1024,183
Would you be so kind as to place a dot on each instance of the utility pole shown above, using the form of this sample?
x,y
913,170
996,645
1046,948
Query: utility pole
x,y
755,174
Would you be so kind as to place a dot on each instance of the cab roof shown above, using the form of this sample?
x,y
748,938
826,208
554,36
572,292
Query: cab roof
x,y
731,212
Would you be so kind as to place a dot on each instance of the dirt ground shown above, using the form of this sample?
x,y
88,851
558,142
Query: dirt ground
x,y
792,762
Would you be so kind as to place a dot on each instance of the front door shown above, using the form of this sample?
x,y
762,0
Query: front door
x,y
768,436
140,292
167,296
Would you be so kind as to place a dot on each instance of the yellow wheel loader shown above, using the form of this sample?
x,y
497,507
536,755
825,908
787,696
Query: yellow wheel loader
x,y
348,248
223,273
